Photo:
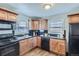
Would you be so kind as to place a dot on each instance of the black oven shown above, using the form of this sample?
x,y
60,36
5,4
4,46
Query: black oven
x,y
10,49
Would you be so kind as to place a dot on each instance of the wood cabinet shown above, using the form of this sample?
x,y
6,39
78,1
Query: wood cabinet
x,y
61,47
57,46
11,17
34,42
74,18
3,15
39,24
7,15
43,24
35,24
53,45
30,43
23,46
39,41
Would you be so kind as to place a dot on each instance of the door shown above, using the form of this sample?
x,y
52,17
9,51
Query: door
x,y
74,39
35,24
34,42
43,24
39,41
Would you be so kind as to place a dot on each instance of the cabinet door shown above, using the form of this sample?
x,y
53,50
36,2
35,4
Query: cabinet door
x,y
53,45
74,19
61,47
30,43
3,15
35,24
43,24
23,46
39,41
11,17
34,42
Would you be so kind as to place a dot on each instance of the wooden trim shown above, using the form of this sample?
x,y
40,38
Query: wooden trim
x,y
73,14
8,11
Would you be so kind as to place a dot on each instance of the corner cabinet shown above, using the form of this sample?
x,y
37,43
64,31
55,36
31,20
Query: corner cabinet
x,y
58,46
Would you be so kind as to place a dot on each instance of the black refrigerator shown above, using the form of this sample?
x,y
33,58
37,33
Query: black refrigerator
x,y
73,39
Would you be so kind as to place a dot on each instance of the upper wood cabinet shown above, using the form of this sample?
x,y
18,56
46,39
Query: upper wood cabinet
x,y
43,24
11,17
35,24
7,15
3,15
74,18
39,24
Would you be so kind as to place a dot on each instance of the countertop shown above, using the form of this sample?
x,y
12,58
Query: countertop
x,y
22,37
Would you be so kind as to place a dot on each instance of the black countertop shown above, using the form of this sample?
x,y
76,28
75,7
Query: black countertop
x,y
22,37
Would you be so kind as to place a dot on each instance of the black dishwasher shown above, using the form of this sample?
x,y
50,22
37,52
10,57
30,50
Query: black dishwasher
x,y
45,43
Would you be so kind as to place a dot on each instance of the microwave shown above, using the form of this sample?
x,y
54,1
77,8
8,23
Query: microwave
x,y
6,27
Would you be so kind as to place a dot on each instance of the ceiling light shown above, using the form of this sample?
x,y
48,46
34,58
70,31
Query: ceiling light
x,y
47,6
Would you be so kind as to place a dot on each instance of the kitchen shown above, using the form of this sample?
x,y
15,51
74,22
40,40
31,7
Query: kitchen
x,y
31,30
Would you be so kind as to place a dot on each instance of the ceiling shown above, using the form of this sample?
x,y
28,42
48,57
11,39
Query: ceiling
x,y
35,9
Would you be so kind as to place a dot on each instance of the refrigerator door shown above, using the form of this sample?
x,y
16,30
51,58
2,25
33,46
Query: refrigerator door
x,y
74,29
74,39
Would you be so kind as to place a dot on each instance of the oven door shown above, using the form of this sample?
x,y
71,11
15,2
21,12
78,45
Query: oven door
x,y
10,50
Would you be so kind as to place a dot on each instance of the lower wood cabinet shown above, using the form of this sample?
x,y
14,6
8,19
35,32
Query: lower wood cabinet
x,y
57,46
23,46
53,45
34,42
30,43
39,41
61,47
